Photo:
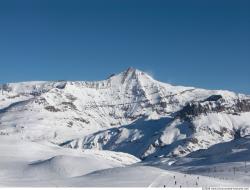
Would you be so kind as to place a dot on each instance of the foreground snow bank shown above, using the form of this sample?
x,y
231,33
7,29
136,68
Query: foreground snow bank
x,y
22,160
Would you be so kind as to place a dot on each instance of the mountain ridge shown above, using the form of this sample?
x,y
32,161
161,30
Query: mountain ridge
x,y
90,113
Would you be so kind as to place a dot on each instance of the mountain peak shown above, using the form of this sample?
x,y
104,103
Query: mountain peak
x,y
131,69
133,74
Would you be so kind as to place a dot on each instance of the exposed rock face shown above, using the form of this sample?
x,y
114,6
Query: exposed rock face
x,y
214,104
213,98
242,105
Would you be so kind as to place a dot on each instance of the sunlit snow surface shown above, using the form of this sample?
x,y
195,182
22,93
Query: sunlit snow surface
x,y
72,134
26,163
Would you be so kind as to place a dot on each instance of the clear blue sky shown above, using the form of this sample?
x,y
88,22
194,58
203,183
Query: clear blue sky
x,y
203,43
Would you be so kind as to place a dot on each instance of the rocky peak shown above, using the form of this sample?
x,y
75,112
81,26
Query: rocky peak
x,y
130,75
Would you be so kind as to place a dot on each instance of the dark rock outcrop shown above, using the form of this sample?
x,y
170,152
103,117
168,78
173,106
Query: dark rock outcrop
x,y
214,103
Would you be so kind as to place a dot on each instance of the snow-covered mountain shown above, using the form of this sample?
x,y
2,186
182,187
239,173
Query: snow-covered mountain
x,y
65,133
128,112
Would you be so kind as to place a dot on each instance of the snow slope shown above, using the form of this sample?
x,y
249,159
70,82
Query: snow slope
x,y
226,161
168,137
32,164
23,160
69,127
